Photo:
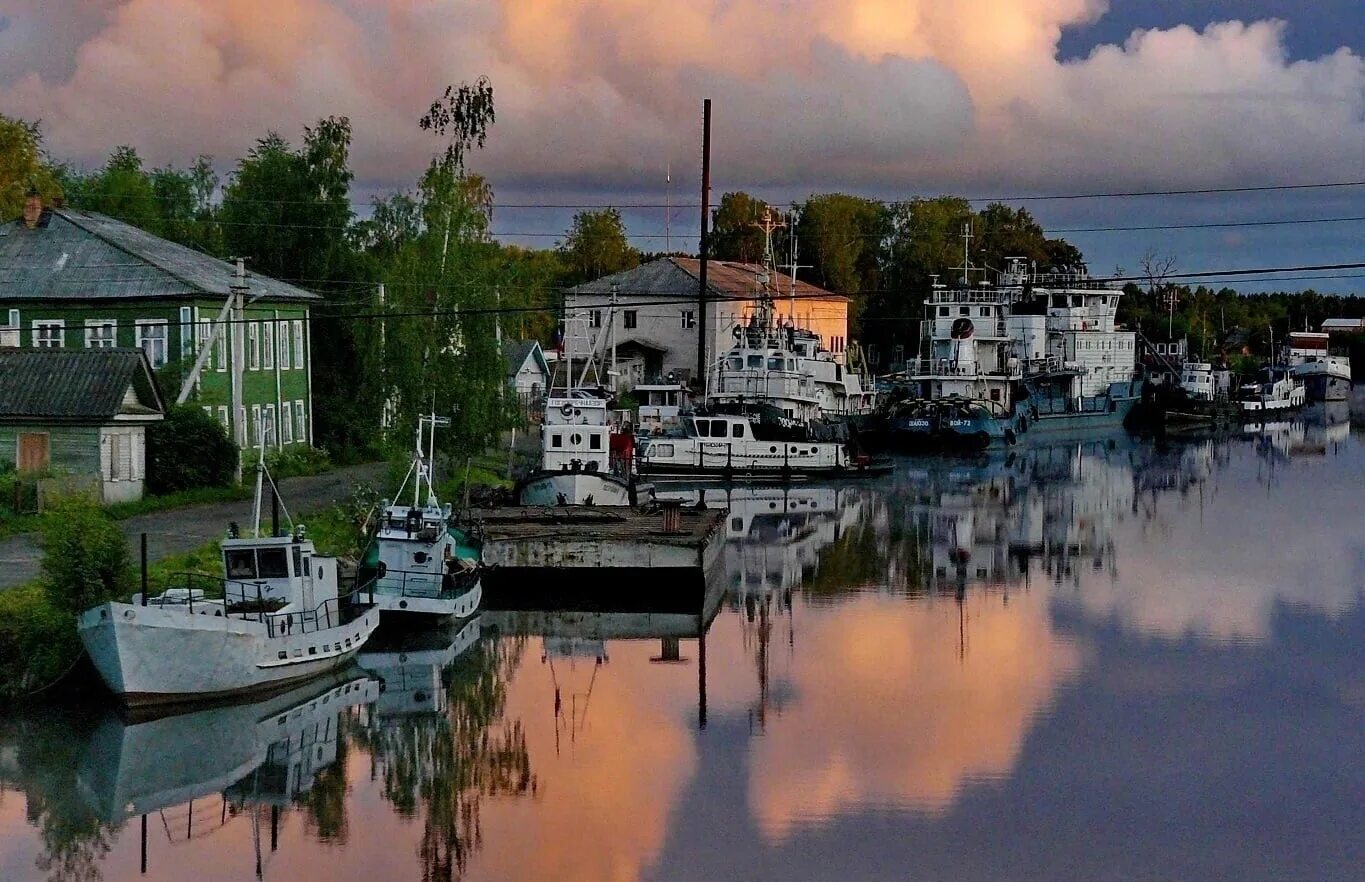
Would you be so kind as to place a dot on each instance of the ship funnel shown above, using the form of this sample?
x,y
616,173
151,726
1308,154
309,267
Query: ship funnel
x,y
964,345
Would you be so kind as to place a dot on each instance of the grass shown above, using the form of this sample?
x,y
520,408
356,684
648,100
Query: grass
x,y
30,523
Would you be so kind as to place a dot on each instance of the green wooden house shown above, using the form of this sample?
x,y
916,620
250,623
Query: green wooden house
x,y
79,280
78,416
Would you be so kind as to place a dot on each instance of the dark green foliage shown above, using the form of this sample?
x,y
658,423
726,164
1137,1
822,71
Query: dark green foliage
x,y
85,557
297,460
735,234
188,449
596,245
23,165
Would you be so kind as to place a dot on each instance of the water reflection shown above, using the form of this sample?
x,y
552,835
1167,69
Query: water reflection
x,y
1112,658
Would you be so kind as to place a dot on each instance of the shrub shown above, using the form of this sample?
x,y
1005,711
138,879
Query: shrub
x,y
37,642
85,557
188,449
297,460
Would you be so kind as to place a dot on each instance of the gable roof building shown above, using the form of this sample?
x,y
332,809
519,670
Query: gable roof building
x,y
80,415
73,280
662,331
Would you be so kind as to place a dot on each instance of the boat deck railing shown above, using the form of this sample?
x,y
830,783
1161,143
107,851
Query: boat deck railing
x,y
415,584
247,601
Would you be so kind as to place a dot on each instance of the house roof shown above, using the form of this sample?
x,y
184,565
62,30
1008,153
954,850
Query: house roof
x,y
680,277
515,355
1351,324
76,385
79,255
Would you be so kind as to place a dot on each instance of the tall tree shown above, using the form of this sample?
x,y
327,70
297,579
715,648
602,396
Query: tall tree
x,y
734,228
842,236
596,245
23,166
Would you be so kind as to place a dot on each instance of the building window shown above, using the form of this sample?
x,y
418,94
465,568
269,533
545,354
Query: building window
x,y
287,423
268,345
689,319
223,418
595,318
284,346
220,347
629,319
268,426
151,339
253,436
299,428
50,334
186,332
298,344
13,319
253,346
101,333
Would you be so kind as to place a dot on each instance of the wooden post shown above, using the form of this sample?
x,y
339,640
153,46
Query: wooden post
x,y
144,845
274,510
701,666
703,252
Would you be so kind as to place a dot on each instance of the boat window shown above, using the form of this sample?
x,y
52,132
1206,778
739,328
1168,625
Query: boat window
x,y
737,430
774,364
661,449
755,361
718,428
595,442
943,311
735,364
298,560
556,440
1076,300
985,312
307,564
241,563
272,563
964,310
704,428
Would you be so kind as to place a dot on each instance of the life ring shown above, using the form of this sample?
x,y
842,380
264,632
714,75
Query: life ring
x,y
567,409
737,332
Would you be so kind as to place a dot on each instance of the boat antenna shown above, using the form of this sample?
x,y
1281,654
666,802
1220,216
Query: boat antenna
x,y
263,477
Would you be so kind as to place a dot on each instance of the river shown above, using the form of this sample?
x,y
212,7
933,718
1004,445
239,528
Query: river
x,y
1110,659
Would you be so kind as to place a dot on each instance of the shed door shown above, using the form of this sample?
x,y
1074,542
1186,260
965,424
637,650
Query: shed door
x,y
35,453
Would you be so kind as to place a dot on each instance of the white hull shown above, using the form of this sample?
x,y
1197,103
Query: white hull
x,y
577,488
666,456
394,602
151,655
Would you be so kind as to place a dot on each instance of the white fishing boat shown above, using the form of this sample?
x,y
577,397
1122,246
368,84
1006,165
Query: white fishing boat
x,y
277,617
584,459
1201,381
1277,390
735,446
418,562
1326,375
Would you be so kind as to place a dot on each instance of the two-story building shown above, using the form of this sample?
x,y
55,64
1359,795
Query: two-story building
x,y
656,316
79,280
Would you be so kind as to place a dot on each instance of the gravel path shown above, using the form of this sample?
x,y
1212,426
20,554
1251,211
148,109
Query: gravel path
x,y
182,529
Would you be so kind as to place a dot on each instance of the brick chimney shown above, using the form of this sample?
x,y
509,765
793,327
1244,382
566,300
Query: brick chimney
x,y
33,208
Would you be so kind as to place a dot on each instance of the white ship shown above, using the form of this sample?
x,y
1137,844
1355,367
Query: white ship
x,y
577,464
1277,390
277,618
418,563
1035,354
736,446
1326,376
1201,381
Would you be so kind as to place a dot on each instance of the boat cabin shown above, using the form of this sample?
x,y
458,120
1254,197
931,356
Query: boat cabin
x,y
716,427
661,406
279,568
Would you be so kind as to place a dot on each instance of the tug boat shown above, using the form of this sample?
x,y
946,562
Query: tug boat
x,y
1277,390
1326,375
583,460
419,563
733,446
276,618
1035,354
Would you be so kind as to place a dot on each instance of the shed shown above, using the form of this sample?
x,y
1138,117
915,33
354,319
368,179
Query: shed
x,y
79,412
528,374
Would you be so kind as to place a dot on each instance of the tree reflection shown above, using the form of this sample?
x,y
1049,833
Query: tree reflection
x,y
46,747
445,763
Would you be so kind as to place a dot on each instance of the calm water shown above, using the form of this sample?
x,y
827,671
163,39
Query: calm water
x,y
1107,660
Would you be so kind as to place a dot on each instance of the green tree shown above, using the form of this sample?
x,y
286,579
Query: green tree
x,y
596,245
123,190
841,236
734,228
189,449
85,557
23,166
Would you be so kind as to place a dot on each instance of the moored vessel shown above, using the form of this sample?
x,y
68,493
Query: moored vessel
x,y
1326,375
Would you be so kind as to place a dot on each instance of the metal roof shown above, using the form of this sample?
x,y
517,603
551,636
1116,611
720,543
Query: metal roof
x,y
75,385
515,355
679,277
79,255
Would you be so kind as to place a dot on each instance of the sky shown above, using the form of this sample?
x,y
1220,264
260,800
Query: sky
x,y
597,100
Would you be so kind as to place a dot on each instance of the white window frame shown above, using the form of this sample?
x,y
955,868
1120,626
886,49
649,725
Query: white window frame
x,y
630,319
300,421
142,339
220,348
186,331
269,426
223,418
299,348
268,345
253,346
94,342
253,428
595,319
689,319
287,422
282,338
44,339
14,320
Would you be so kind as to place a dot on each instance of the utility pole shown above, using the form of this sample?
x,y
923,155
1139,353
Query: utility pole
x,y
668,208
237,351
702,324
611,330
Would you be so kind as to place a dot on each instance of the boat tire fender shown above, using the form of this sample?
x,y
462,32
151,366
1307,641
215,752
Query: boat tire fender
x,y
1010,437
